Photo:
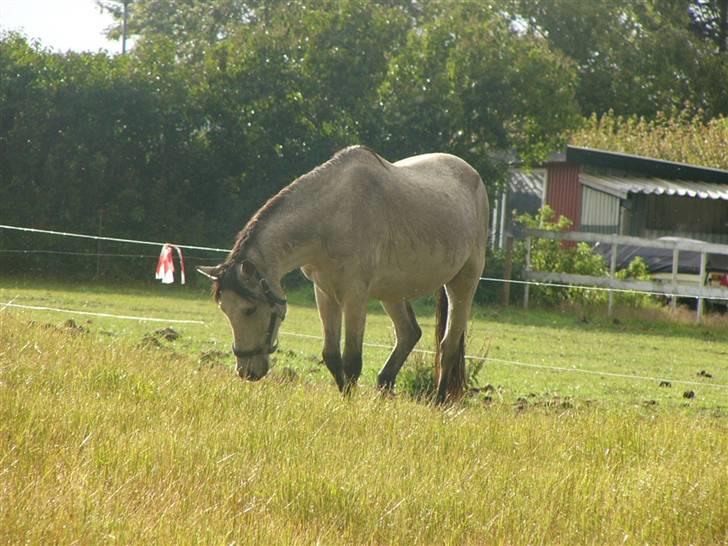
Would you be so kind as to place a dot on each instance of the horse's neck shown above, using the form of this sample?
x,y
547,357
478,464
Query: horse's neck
x,y
287,238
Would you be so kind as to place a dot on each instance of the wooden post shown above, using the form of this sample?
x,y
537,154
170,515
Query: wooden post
x,y
675,261
612,271
507,271
701,284
526,270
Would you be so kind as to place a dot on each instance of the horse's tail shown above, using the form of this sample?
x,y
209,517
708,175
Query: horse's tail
x,y
455,380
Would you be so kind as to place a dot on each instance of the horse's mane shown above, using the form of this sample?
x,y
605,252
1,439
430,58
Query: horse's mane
x,y
247,234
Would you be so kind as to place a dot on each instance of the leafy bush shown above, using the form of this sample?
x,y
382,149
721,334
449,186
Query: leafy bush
x,y
636,270
558,256
580,259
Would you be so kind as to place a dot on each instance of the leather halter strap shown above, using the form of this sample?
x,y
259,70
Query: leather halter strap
x,y
275,302
270,345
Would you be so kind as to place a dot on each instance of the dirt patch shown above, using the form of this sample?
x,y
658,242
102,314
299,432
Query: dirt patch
x,y
170,334
72,326
150,342
212,357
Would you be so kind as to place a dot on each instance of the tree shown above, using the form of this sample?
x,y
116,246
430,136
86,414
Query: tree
x,y
466,83
635,56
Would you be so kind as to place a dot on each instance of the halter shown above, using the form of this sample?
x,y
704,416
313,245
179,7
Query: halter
x,y
276,303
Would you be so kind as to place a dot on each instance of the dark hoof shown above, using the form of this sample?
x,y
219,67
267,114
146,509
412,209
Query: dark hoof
x,y
349,388
385,383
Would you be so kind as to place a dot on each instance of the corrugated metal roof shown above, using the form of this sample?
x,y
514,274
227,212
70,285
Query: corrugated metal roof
x,y
620,186
529,182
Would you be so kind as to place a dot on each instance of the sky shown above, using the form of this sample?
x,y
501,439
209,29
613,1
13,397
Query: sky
x,y
61,25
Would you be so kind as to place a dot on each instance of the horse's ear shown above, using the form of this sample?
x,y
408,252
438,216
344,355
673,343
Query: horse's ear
x,y
209,271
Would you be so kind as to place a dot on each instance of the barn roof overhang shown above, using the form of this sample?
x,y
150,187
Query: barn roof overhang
x,y
622,186
641,166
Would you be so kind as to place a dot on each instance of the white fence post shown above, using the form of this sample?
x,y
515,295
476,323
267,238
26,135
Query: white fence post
x,y
527,269
612,271
675,261
654,287
701,284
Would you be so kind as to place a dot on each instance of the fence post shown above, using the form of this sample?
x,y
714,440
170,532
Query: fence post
x,y
526,270
612,271
507,271
701,284
675,260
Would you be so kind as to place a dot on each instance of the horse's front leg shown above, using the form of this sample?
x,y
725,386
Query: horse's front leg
x,y
330,313
355,314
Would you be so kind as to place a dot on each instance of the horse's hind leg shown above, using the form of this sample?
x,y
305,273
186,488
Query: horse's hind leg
x,y
408,334
330,313
460,291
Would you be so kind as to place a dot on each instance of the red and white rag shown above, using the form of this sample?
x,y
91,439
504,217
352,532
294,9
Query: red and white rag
x,y
165,265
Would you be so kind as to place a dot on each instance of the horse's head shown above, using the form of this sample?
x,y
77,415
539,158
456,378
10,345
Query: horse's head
x,y
254,312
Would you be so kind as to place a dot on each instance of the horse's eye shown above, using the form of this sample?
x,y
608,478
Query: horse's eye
x,y
249,312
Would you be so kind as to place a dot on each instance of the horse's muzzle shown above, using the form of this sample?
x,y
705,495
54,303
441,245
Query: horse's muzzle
x,y
249,375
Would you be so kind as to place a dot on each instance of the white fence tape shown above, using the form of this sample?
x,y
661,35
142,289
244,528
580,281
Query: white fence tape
x,y
105,315
536,366
215,249
517,363
114,239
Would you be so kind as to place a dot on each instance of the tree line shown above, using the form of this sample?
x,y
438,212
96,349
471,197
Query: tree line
x,y
221,103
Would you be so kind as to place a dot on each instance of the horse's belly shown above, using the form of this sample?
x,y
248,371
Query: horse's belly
x,y
409,277
403,290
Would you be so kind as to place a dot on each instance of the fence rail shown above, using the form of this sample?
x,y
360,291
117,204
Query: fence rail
x,y
671,288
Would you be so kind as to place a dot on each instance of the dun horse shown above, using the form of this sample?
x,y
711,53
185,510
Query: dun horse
x,y
360,227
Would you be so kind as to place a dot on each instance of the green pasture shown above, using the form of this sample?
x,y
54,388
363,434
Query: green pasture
x,y
536,355
110,433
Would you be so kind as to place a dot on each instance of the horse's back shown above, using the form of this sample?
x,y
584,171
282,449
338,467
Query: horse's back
x,y
443,186
416,222
443,169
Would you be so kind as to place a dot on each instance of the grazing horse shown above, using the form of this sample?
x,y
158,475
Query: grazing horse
x,y
359,226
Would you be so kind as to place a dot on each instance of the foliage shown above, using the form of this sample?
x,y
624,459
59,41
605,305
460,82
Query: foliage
x,y
638,56
580,259
636,270
682,135
464,82
417,379
553,255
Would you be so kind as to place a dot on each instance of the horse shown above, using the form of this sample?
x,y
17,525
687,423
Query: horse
x,y
360,227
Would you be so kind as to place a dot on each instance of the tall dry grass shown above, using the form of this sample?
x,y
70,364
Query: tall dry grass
x,y
103,441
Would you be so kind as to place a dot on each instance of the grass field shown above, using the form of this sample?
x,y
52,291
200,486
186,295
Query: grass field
x,y
111,433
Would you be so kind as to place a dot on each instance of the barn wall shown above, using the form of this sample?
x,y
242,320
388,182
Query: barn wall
x,y
655,216
563,191
702,219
